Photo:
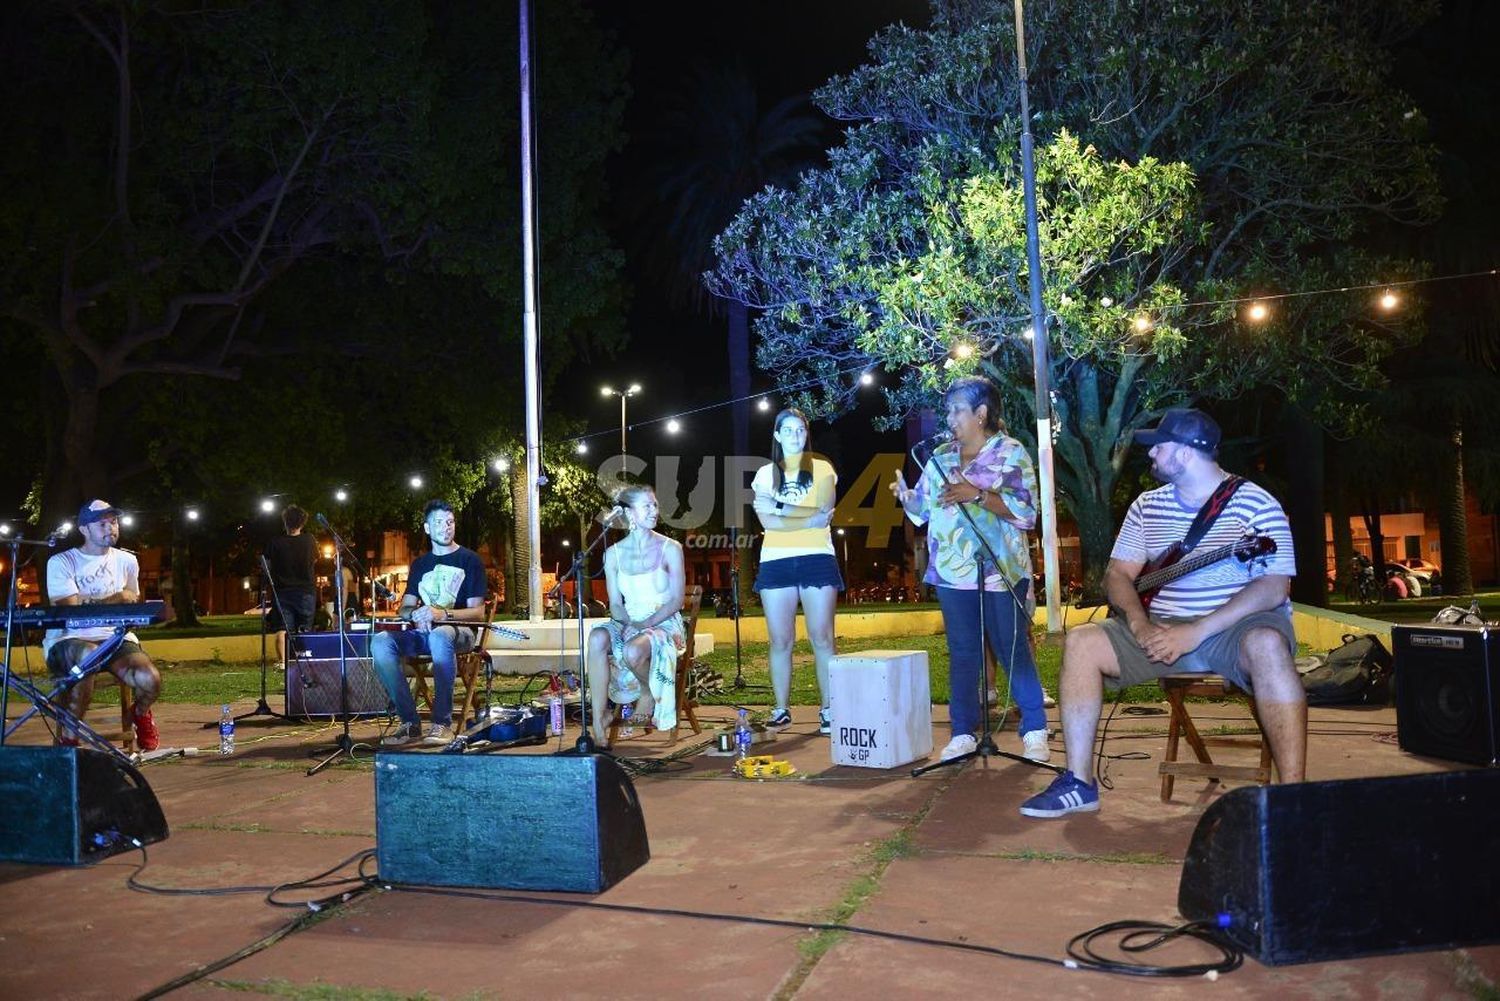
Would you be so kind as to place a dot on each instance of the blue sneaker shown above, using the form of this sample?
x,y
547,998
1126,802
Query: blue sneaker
x,y
780,718
1067,794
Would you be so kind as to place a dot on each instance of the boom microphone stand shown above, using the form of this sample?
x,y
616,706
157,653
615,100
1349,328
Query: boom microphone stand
x,y
585,744
986,745
344,744
263,708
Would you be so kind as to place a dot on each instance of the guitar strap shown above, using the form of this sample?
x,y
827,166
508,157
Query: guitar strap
x,y
1210,511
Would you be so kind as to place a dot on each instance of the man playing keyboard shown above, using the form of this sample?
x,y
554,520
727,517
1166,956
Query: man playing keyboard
x,y
98,573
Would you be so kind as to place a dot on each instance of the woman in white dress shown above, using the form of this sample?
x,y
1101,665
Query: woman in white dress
x,y
632,658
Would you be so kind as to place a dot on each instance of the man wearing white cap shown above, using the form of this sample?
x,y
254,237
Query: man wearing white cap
x,y
98,573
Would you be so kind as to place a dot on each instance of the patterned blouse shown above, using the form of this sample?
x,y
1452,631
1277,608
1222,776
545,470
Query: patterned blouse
x,y
1002,466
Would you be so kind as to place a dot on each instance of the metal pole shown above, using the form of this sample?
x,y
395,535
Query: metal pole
x,y
531,340
622,430
1039,361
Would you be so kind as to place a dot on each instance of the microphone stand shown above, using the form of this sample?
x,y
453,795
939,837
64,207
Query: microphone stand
x,y
585,744
15,545
986,746
343,744
263,708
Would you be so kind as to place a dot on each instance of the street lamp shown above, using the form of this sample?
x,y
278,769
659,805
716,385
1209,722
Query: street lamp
x,y
845,539
623,394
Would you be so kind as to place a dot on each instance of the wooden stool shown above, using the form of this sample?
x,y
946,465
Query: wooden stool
x,y
1178,687
127,707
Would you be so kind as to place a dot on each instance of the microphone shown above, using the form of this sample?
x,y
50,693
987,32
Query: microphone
x,y
611,517
323,521
57,535
940,436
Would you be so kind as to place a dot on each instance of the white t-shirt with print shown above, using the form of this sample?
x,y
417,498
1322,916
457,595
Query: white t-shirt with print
x,y
92,579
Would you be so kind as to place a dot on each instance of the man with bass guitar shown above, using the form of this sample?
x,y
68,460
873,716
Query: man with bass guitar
x,y
1211,556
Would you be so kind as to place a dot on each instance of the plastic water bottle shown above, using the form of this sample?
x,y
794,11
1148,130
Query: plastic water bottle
x,y
626,729
226,732
555,713
742,735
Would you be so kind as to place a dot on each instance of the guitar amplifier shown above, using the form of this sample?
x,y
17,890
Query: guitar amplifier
x,y
1448,691
313,689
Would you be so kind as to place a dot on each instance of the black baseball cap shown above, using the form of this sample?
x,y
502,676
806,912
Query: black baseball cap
x,y
1185,426
96,510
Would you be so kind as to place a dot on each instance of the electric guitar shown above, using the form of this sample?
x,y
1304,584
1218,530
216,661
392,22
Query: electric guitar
x,y
1175,563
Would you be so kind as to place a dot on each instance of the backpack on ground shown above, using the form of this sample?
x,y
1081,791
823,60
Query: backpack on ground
x,y
1357,673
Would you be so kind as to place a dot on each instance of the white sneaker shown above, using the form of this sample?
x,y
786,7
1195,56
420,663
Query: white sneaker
x,y
962,744
1034,746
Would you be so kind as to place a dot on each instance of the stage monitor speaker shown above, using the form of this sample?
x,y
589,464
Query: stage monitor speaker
x,y
1448,691
525,822
312,688
1327,870
72,806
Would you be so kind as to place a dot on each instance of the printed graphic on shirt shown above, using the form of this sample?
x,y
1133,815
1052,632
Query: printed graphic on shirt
x,y
440,585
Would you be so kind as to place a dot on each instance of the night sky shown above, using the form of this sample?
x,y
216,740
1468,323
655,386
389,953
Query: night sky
x,y
789,49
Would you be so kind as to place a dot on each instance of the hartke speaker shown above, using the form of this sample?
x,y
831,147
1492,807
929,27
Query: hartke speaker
x,y
312,688
1327,870
1448,691
527,822
72,806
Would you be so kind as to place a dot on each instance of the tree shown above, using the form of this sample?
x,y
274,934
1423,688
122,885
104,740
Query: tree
x,y
204,182
716,146
1267,128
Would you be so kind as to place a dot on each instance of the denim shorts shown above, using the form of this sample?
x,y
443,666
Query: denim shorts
x,y
66,654
299,607
818,570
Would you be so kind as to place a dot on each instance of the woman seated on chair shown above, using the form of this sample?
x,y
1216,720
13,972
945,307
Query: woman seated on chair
x,y
632,658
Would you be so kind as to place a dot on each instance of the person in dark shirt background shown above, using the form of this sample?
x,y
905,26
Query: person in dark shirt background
x,y
294,586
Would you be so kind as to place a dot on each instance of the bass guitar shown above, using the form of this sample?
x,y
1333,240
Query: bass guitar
x,y
1176,562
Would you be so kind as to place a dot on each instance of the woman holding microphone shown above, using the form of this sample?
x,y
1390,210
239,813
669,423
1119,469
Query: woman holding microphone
x,y
985,474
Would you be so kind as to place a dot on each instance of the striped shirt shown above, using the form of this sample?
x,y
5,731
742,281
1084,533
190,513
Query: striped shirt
x,y
1157,519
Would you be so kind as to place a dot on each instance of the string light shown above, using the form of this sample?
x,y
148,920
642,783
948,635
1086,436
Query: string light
x,y
268,505
1389,300
582,448
1258,311
1142,324
127,520
191,513
963,350
866,379
673,426
415,482
502,465
341,495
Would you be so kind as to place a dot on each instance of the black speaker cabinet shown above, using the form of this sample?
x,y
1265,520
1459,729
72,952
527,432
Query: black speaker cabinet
x,y
1327,870
312,688
529,821
71,806
1448,691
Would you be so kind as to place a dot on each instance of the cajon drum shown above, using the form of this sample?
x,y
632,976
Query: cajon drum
x,y
880,705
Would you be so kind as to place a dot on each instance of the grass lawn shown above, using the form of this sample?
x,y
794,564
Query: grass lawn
x,y
1421,609
215,682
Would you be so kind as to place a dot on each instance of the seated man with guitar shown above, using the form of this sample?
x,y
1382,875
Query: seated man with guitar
x,y
98,573
1210,554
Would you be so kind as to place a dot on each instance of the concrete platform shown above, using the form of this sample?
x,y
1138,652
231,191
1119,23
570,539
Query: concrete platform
x,y
945,856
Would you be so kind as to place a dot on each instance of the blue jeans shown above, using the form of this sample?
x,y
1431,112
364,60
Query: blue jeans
x,y
1006,629
443,645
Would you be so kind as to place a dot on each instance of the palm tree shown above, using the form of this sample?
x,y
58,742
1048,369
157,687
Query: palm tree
x,y
713,148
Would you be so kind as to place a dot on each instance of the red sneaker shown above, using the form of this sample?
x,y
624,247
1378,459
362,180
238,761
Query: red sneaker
x,y
146,736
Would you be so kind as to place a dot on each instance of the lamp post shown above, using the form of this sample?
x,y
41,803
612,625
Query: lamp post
x,y
623,394
845,539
